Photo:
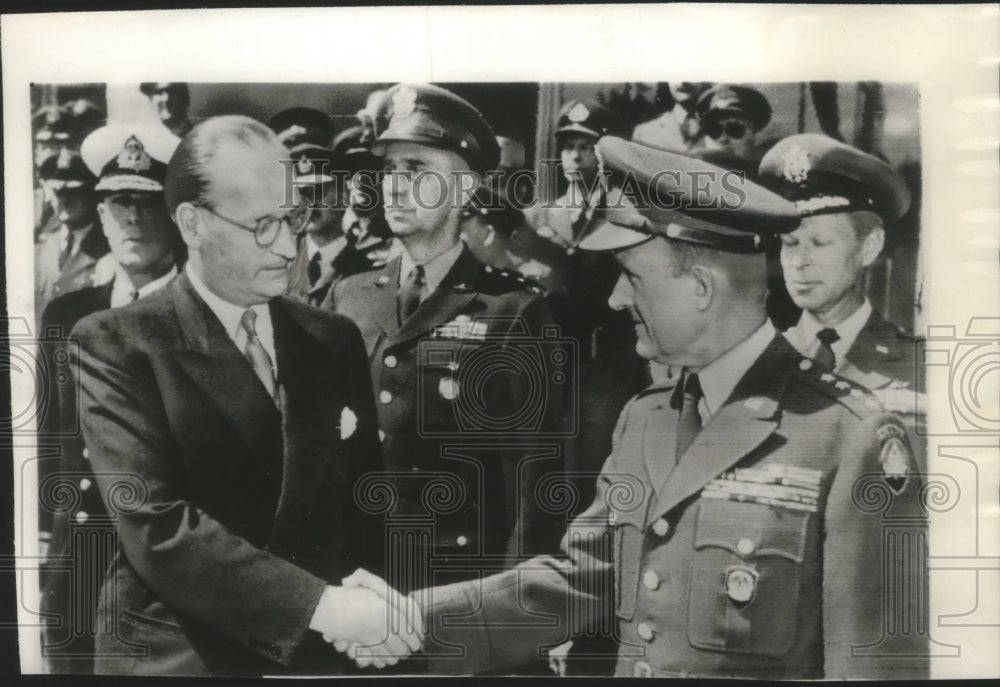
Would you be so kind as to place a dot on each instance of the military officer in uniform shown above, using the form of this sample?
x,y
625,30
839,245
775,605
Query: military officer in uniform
x,y
444,334
65,259
847,199
130,162
581,309
738,525
730,117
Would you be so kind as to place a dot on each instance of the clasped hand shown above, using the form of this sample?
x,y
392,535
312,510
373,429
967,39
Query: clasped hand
x,y
369,621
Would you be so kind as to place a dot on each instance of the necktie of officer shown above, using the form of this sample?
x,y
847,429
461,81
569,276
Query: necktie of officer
x,y
255,352
824,354
409,293
134,295
67,252
689,420
314,270
581,219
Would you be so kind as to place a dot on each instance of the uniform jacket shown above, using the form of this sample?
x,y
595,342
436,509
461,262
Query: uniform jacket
x,y
458,407
77,273
713,567
232,515
356,257
883,356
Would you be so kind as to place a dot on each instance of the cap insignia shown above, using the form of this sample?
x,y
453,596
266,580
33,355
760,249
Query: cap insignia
x,y
291,132
403,102
579,113
64,160
134,156
796,164
303,166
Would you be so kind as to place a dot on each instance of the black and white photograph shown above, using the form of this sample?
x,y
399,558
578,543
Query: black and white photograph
x,y
431,360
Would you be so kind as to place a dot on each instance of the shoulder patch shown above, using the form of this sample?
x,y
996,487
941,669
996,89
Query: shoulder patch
x,y
895,456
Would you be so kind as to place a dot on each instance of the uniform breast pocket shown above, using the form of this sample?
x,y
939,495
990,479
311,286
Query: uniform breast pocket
x,y
746,575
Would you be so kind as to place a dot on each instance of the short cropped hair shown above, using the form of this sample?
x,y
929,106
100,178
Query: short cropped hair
x,y
187,173
746,272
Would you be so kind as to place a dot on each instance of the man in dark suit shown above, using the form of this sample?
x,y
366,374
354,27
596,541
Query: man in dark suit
x,y
228,429
131,163
449,339
746,522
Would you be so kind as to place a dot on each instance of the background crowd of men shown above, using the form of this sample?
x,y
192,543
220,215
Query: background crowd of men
x,y
310,371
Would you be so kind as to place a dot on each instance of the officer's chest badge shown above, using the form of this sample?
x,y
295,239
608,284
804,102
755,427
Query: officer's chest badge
x,y
894,457
404,101
578,113
134,156
796,164
462,327
741,584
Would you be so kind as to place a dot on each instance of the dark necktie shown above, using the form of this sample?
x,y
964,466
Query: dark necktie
x,y
824,354
409,293
581,220
314,270
68,251
134,295
689,419
256,353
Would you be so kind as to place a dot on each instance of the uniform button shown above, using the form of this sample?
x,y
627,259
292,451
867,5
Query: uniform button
x,y
745,546
415,469
644,631
805,365
661,527
642,669
81,517
390,361
381,435
462,540
385,397
84,484
650,580
86,453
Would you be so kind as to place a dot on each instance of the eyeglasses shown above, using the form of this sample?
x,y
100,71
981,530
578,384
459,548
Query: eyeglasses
x,y
734,130
265,231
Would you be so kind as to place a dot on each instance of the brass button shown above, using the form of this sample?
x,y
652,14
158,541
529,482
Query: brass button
x,y
385,397
86,453
84,484
391,361
642,669
661,527
81,517
745,546
644,631
462,540
650,580
381,435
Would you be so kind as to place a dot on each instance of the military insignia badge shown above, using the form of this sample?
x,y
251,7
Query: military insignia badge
x,y
579,113
796,164
404,101
134,156
894,456
741,584
303,166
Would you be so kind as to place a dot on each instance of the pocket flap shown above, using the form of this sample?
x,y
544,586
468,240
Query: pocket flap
x,y
751,530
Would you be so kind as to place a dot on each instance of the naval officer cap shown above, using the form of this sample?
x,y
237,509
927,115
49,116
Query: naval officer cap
x,y
739,101
586,117
822,176
66,172
129,157
684,199
433,116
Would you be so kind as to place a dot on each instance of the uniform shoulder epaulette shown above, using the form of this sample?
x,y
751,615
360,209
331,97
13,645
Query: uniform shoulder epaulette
x,y
510,280
856,398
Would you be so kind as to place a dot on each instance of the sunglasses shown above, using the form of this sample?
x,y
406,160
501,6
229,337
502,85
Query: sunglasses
x,y
265,230
734,130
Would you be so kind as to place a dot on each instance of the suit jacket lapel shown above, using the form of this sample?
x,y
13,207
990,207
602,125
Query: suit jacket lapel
x,y
742,424
451,295
222,371
311,383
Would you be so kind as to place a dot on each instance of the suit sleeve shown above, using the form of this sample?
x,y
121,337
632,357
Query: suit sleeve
x,y
191,561
503,621
875,559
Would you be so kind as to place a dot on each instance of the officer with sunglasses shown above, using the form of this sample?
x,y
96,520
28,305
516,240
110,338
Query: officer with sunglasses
x,y
731,117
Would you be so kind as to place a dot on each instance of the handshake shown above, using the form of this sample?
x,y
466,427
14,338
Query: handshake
x,y
369,621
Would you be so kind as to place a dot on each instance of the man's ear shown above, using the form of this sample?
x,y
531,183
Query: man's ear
x,y
190,223
703,285
871,246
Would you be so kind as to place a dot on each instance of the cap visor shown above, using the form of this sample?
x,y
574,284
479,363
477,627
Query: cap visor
x,y
130,182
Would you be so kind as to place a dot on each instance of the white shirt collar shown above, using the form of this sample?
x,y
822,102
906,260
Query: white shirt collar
x,y
327,252
230,315
121,289
78,236
720,377
803,335
435,269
